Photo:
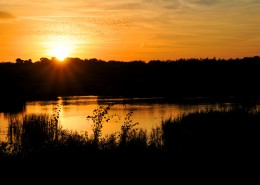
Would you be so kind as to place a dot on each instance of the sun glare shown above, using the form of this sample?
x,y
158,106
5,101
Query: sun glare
x,y
60,50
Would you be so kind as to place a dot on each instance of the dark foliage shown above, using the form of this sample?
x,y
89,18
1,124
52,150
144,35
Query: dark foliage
x,y
183,78
201,145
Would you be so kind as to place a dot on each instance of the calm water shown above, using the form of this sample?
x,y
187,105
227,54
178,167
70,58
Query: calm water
x,y
73,111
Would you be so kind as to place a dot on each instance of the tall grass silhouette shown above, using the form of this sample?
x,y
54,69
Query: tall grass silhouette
x,y
33,131
207,133
222,133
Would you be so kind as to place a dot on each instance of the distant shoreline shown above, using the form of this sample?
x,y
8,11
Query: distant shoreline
x,y
186,80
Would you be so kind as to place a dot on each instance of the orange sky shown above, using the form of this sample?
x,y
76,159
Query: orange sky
x,y
129,30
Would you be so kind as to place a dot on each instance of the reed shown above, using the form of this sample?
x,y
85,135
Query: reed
x,y
200,133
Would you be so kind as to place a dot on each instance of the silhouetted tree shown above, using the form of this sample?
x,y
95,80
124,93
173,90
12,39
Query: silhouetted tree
x,y
19,61
177,79
44,60
29,61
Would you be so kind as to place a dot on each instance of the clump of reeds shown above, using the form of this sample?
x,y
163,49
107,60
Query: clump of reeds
x,y
199,132
32,132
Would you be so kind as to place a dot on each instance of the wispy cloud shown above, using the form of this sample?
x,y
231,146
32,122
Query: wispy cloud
x,y
6,15
125,6
203,2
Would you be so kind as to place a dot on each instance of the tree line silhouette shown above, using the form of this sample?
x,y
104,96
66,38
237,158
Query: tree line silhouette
x,y
183,78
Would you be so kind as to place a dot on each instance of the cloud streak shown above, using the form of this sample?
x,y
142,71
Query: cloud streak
x,y
6,15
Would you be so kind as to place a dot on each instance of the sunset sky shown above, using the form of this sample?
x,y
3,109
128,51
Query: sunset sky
x,y
129,30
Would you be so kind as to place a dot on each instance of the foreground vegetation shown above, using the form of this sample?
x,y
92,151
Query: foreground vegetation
x,y
207,134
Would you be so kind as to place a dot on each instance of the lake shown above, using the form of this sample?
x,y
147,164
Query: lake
x,y
147,112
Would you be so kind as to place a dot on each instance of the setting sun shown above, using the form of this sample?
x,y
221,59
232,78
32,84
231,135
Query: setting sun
x,y
60,50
